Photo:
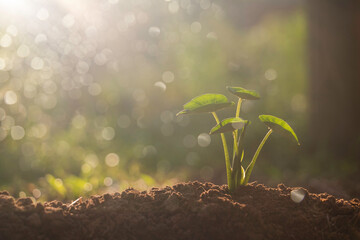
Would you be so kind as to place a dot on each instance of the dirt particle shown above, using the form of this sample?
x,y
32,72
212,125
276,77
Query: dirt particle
x,y
281,186
39,207
6,201
4,193
53,210
173,202
330,200
130,194
34,220
25,204
213,193
22,202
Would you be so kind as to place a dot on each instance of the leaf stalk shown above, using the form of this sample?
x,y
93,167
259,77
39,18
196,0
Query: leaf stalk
x,y
227,158
253,161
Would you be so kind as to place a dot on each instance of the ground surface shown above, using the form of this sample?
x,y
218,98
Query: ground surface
x,y
185,211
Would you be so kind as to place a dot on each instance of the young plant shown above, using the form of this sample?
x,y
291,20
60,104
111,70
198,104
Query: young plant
x,y
210,103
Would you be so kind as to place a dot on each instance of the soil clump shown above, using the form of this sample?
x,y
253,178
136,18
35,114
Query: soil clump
x,y
190,210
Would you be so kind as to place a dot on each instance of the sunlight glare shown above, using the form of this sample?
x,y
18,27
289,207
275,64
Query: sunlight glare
x,y
16,6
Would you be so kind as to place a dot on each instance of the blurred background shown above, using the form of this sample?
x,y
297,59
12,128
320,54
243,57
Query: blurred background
x,y
89,91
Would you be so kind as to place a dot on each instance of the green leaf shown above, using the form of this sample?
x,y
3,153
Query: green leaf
x,y
280,126
206,103
228,124
244,93
242,176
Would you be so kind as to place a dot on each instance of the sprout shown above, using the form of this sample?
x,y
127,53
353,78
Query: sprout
x,y
210,103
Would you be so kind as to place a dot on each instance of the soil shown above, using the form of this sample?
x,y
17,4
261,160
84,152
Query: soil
x,y
190,210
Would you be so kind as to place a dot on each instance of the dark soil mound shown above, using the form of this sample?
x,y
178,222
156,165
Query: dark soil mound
x,y
185,211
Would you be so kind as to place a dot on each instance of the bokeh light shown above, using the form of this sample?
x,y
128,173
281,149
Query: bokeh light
x,y
89,90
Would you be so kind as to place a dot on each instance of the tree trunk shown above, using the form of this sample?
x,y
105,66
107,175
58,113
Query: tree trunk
x,y
334,72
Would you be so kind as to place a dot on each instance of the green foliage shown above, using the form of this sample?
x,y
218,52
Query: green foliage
x,y
280,126
244,93
206,103
228,124
236,175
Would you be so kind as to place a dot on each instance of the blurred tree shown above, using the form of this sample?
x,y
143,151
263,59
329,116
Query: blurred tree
x,y
334,72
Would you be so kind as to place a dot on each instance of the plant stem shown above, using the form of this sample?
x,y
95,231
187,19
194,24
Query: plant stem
x,y
235,143
226,153
235,149
237,114
253,161
238,108
235,163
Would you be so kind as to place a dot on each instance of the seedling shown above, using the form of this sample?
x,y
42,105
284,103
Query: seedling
x,y
210,103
